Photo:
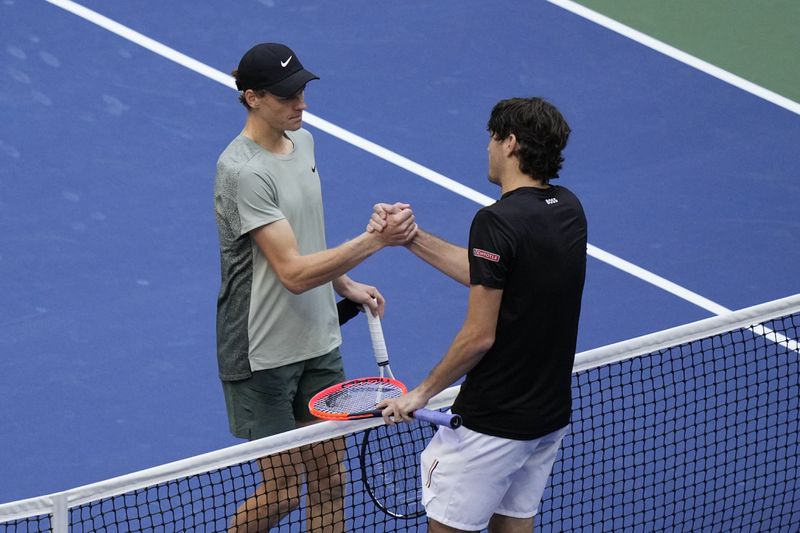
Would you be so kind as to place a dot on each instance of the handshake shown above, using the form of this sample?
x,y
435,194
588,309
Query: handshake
x,y
393,224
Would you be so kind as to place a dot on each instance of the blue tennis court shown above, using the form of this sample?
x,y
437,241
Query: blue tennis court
x,y
109,139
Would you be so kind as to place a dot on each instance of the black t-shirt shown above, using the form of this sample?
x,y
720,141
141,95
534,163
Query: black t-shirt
x,y
532,244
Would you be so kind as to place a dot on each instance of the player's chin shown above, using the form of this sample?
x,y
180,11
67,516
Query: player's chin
x,y
295,123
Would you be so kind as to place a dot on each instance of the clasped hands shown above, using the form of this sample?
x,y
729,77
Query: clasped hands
x,y
393,224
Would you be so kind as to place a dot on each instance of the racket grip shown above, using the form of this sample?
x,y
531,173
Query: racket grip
x,y
376,335
439,418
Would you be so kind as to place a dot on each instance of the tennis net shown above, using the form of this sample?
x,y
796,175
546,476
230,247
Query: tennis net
x,y
693,428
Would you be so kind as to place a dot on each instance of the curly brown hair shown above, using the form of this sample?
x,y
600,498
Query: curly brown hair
x,y
259,92
541,132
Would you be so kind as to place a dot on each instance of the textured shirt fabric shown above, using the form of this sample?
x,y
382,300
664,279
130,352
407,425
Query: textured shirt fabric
x,y
531,244
260,323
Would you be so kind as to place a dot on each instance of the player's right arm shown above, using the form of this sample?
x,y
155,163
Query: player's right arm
x,y
299,273
446,257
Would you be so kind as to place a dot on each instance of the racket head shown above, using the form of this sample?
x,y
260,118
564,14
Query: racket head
x,y
390,471
354,399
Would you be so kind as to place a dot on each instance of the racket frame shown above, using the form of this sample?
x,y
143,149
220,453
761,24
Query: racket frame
x,y
426,415
335,389
366,479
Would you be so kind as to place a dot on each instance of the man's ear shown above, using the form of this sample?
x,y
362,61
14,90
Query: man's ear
x,y
510,145
251,98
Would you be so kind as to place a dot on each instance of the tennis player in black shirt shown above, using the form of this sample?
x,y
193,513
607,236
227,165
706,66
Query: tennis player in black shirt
x,y
525,268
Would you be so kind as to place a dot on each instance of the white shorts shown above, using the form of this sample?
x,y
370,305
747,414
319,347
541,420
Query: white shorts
x,y
468,476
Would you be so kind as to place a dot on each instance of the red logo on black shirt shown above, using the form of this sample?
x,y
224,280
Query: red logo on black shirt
x,y
483,254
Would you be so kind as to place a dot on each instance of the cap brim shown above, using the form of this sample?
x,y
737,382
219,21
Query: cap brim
x,y
292,84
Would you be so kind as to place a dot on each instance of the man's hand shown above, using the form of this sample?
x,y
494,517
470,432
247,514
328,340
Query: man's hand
x,y
366,295
380,212
400,409
395,223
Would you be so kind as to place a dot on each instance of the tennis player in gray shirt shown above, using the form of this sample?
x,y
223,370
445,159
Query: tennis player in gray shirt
x,y
278,334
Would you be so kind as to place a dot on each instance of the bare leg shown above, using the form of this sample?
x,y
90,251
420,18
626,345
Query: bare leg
x,y
275,497
326,478
505,524
279,493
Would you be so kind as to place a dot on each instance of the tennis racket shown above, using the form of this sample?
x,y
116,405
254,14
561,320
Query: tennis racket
x,y
390,473
382,359
358,398
389,457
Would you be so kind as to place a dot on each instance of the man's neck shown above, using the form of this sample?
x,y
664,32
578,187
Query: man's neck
x,y
270,139
516,180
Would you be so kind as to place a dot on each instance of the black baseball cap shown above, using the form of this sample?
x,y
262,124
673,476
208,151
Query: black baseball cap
x,y
274,67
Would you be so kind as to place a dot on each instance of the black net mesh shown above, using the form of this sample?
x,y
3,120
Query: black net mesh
x,y
25,525
697,437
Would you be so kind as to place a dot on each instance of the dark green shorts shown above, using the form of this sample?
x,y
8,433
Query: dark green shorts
x,y
276,400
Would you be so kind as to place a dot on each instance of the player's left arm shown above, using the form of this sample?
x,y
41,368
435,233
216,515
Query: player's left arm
x,y
360,293
469,346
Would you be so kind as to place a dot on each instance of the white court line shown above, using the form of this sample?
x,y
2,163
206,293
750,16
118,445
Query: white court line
x,y
679,55
377,150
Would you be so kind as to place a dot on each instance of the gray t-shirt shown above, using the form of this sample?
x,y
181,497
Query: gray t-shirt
x,y
260,324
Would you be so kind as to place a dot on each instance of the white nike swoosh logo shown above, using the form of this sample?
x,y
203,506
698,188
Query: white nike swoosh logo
x,y
284,63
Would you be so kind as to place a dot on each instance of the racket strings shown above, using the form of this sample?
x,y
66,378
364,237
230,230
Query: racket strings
x,y
390,467
357,398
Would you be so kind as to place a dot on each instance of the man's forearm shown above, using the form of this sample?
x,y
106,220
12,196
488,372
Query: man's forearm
x,y
313,270
446,257
341,283
465,352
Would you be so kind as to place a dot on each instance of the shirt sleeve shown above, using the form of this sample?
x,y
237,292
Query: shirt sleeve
x,y
491,251
258,202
